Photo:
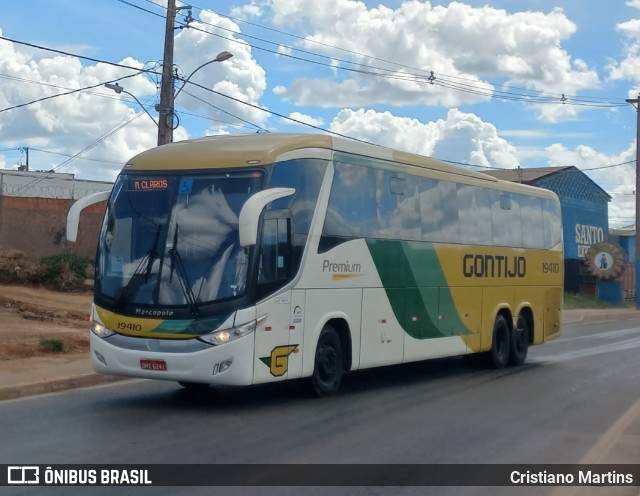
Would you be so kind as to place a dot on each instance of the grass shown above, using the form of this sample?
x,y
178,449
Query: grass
x,y
577,300
52,345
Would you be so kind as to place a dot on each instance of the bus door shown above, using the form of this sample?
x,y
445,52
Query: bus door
x,y
276,343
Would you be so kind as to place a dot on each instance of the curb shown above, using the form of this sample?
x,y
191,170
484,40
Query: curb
x,y
36,388
580,319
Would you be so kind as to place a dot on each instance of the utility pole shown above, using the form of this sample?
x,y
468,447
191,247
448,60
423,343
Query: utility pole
x,y
165,108
636,104
25,167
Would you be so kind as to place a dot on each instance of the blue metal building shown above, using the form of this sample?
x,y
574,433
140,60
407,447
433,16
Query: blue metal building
x,y
626,239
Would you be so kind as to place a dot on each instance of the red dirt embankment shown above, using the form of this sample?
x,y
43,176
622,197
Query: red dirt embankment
x,y
35,321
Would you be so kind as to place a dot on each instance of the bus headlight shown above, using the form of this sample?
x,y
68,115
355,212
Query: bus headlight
x,y
99,330
227,335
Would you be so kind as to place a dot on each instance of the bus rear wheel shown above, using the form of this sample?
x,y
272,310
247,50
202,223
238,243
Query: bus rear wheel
x,y
520,342
501,344
329,364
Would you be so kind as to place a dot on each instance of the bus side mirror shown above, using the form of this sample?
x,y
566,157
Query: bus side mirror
x,y
251,210
73,217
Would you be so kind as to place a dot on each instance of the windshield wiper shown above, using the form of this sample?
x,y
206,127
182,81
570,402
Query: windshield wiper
x,y
141,274
183,279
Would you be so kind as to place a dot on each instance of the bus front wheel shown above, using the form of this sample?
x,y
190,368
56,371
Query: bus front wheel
x,y
501,345
329,364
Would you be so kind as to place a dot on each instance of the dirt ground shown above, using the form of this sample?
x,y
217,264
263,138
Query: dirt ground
x,y
36,321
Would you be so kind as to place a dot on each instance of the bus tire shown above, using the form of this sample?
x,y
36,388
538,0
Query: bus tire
x,y
519,342
328,367
500,346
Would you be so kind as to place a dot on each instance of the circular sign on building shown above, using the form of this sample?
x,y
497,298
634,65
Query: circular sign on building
x,y
606,261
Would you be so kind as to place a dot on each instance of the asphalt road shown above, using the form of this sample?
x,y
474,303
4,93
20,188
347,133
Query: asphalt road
x,y
576,400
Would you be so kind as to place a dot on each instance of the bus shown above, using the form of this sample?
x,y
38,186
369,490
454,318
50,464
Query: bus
x,y
249,259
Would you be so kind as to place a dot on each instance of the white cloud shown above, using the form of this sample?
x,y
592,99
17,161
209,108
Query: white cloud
x,y
464,137
460,137
246,11
71,123
306,119
544,134
629,67
464,45
617,181
239,77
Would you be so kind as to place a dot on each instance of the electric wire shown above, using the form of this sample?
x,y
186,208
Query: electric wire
x,y
83,57
40,150
532,97
260,128
352,52
101,139
487,92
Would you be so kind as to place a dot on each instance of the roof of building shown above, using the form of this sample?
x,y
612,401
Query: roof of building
x,y
542,176
524,175
38,184
628,233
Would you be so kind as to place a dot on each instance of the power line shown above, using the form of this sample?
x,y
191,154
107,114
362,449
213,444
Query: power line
x,y
57,86
68,54
71,92
512,96
50,152
139,71
282,116
143,9
101,139
67,155
260,128
610,166
207,118
360,54
446,81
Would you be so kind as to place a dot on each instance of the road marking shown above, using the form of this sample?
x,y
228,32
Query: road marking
x,y
587,352
602,449
596,336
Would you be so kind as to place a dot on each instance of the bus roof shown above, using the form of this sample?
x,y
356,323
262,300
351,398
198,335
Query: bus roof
x,y
248,150
226,151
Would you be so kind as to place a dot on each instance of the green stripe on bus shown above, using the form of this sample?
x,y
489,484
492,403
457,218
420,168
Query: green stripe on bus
x,y
416,306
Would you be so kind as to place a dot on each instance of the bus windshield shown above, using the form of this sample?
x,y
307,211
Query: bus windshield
x,y
172,239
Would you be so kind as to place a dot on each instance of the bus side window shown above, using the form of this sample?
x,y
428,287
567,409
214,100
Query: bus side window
x,y
274,264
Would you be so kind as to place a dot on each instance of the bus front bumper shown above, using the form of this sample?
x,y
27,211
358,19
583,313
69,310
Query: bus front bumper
x,y
190,360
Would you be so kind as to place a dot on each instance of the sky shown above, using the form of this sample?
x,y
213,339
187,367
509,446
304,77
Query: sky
x,y
490,84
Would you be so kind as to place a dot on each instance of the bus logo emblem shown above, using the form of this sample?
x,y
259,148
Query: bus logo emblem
x,y
278,361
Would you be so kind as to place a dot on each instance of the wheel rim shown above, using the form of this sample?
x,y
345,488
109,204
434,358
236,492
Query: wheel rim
x,y
501,347
502,343
327,363
521,339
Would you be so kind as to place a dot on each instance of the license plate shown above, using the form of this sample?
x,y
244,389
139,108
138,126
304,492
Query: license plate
x,y
153,365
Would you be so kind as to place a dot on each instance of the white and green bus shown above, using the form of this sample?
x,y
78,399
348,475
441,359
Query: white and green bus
x,y
242,260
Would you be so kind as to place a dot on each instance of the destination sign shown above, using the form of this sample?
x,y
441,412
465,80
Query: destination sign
x,y
150,184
